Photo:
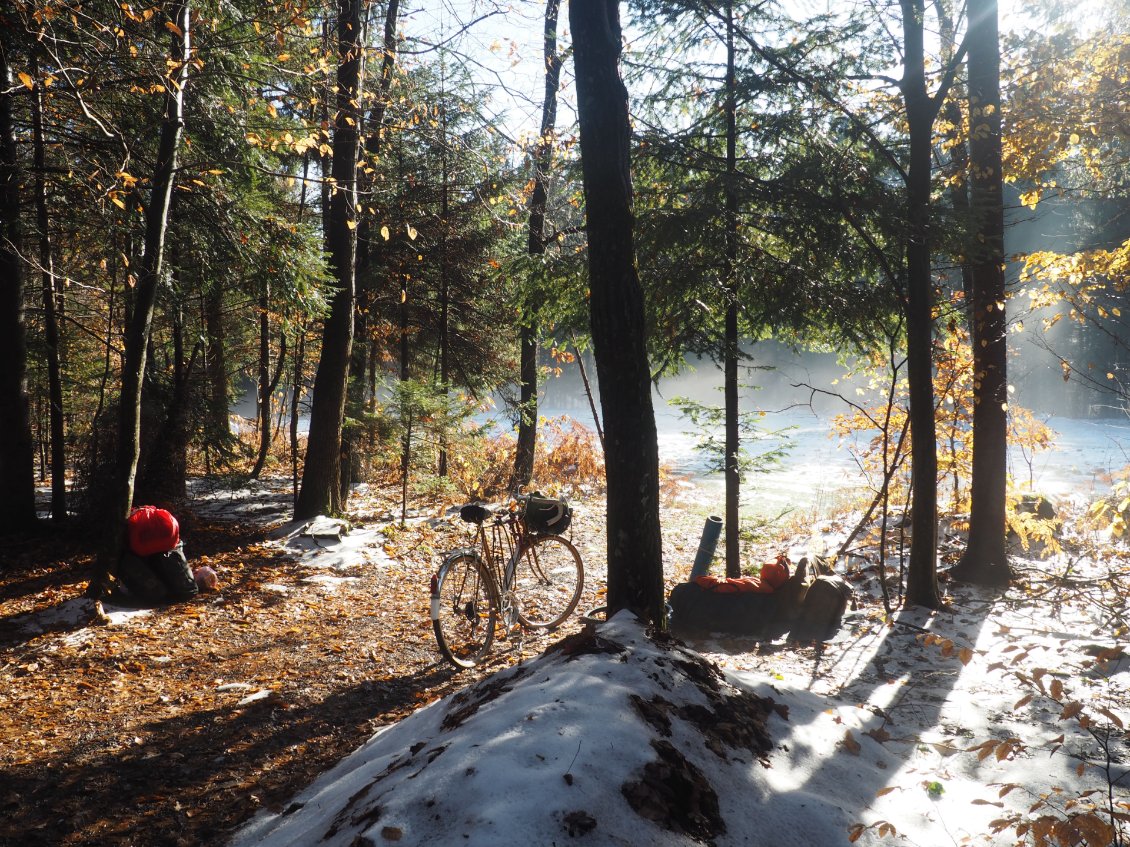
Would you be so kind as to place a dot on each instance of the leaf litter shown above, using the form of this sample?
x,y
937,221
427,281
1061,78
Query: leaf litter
x,y
999,719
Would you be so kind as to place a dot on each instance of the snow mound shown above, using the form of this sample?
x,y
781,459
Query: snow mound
x,y
612,736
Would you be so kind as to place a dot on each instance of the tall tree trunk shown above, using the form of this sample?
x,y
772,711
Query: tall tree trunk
x,y
145,294
985,560
444,288
218,409
17,457
366,247
267,382
730,343
635,550
956,143
163,475
922,572
50,317
526,448
321,493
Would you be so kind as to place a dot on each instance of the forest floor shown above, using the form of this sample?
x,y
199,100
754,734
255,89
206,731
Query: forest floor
x,y
176,725
148,731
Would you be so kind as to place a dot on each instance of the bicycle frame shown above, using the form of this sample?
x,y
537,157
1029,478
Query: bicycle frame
x,y
506,577
506,534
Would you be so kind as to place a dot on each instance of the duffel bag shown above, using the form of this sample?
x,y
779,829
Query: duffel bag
x,y
697,611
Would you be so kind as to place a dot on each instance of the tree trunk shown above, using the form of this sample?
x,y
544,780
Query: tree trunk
x,y
145,296
351,438
217,412
635,553
526,449
444,289
164,473
321,493
985,560
730,343
50,317
17,457
922,572
267,382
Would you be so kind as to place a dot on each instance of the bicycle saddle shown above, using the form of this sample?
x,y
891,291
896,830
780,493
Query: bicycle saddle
x,y
475,513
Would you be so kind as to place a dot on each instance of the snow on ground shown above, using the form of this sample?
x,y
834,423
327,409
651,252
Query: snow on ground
x,y
928,729
931,729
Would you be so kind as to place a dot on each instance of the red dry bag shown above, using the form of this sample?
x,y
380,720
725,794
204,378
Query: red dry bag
x,y
151,530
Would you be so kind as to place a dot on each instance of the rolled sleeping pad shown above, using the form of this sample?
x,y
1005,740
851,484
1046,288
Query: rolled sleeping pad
x,y
706,547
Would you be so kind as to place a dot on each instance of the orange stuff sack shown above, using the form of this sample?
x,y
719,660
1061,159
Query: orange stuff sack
x,y
776,573
151,531
734,585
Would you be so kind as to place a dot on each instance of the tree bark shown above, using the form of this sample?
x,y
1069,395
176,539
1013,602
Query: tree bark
x,y
145,295
922,572
267,382
730,343
217,413
17,457
351,438
635,556
526,448
321,493
50,316
986,560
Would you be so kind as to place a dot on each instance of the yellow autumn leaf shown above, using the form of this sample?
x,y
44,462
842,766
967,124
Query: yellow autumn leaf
x,y
351,224
385,233
411,232
28,82
174,29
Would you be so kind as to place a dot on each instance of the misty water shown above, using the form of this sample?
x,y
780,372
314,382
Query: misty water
x,y
820,467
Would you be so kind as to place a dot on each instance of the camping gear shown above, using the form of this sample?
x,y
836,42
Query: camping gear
x,y
141,583
824,605
775,574
151,530
172,569
206,579
547,515
696,610
159,578
706,546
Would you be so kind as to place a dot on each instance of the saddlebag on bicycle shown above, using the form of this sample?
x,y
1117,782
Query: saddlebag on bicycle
x,y
547,516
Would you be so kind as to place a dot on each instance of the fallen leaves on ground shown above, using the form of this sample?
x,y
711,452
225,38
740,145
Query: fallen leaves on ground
x,y
177,724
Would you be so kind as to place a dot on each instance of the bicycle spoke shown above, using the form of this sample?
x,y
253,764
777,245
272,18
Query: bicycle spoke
x,y
463,611
548,580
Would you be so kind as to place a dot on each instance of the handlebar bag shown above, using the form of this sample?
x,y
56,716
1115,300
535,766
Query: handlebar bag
x,y
547,516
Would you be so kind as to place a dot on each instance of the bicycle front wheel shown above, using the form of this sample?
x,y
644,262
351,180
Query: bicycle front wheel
x,y
548,580
464,610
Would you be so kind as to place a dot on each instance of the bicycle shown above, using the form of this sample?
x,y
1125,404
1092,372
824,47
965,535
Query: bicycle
x,y
514,573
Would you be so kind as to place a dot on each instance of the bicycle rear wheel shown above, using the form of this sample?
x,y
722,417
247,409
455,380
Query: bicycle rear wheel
x,y
464,610
548,581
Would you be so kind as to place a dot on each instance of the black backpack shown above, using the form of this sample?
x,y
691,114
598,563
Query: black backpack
x,y
160,578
